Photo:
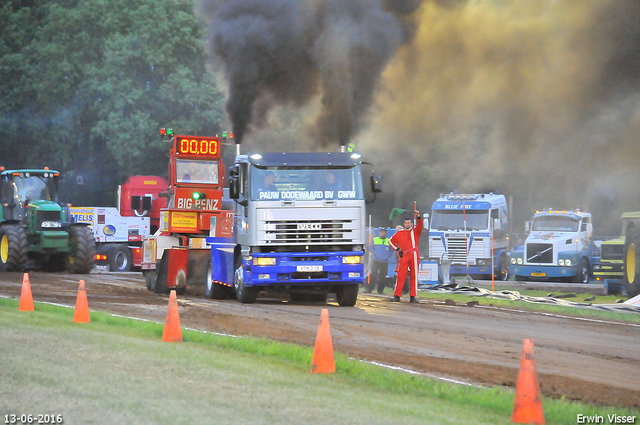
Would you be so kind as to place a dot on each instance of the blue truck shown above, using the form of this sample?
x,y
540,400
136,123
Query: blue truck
x,y
470,233
560,246
298,227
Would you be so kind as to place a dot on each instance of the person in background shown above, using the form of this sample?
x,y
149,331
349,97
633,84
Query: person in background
x,y
269,179
382,253
406,243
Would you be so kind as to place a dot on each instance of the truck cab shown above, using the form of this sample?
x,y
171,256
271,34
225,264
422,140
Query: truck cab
x,y
559,246
470,234
299,225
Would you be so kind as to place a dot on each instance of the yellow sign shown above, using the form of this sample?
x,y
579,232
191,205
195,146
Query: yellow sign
x,y
184,219
538,274
150,182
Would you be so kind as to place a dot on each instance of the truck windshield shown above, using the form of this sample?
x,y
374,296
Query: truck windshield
x,y
191,171
34,188
305,183
455,220
555,223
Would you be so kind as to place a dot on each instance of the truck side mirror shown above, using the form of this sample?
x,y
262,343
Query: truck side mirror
x,y
376,184
146,203
135,203
496,224
234,189
527,227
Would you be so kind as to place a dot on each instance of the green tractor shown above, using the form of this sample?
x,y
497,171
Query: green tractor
x,y
35,228
631,232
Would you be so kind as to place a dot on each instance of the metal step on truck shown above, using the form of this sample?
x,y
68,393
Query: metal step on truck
x,y
559,246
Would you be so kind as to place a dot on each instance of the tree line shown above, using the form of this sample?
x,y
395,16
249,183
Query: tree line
x,y
86,85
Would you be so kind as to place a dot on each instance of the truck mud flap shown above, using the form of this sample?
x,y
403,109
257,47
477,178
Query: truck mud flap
x,y
197,265
172,271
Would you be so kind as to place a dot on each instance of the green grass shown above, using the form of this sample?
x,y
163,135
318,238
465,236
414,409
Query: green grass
x,y
117,370
543,308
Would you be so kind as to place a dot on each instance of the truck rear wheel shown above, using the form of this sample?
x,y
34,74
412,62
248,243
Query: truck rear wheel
x,y
243,294
632,264
347,295
13,248
121,259
150,279
82,250
582,274
214,290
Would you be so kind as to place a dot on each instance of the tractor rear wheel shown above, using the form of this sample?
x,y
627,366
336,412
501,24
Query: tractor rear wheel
x,y
632,264
82,250
13,248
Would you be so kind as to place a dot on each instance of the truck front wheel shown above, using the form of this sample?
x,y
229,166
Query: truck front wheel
x,y
503,269
82,250
13,248
243,294
347,295
582,274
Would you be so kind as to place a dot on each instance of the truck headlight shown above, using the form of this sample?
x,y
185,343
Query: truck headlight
x,y
561,262
567,262
264,261
513,260
520,261
352,259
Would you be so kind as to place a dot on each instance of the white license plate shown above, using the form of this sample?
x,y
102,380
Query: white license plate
x,y
102,267
351,274
309,268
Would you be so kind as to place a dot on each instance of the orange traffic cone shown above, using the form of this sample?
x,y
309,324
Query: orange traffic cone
x,y
172,330
527,407
323,353
26,299
81,315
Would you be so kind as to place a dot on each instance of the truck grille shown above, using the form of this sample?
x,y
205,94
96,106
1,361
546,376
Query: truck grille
x,y
48,216
612,252
309,231
456,250
539,253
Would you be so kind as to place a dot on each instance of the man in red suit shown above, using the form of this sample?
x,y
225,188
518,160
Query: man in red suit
x,y
406,243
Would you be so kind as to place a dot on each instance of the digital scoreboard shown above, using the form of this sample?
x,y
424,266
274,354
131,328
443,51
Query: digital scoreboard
x,y
197,146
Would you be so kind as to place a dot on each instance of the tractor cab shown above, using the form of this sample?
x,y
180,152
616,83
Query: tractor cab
x,y
19,188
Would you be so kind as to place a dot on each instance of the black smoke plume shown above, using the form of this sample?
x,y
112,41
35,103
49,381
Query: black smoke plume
x,y
285,52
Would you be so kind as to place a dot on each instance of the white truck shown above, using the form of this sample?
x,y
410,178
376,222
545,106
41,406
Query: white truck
x,y
559,247
470,233
119,231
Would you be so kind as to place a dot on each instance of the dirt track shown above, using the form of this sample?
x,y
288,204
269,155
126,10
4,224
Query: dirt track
x,y
589,360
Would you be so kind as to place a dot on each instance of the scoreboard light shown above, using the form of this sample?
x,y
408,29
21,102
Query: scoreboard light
x,y
197,146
